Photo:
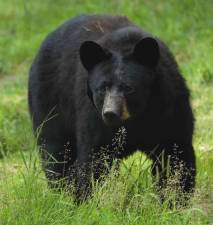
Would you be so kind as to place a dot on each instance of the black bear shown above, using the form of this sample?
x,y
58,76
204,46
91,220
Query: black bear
x,y
95,74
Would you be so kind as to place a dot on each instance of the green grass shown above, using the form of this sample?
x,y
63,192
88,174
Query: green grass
x,y
186,26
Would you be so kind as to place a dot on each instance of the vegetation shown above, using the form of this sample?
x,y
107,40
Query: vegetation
x,y
129,198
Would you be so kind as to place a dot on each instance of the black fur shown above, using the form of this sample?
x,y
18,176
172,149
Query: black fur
x,y
72,130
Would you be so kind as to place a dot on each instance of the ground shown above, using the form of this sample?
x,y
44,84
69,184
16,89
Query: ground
x,y
24,196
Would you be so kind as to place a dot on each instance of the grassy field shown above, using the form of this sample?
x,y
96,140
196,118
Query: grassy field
x,y
187,27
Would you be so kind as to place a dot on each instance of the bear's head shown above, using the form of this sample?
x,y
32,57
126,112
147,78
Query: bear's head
x,y
120,85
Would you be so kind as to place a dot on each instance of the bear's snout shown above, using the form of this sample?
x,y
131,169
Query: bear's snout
x,y
113,109
111,118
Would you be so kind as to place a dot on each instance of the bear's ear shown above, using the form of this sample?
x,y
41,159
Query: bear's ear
x,y
91,54
147,52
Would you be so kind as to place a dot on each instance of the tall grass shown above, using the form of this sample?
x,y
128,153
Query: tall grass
x,y
128,198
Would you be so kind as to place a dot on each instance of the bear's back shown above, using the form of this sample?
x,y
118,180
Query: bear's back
x,y
81,28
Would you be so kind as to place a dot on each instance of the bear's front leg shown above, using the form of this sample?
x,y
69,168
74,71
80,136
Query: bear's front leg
x,y
54,162
93,154
83,185
174,164
91,165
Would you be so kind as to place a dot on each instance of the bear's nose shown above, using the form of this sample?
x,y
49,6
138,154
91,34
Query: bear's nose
x,y
111,117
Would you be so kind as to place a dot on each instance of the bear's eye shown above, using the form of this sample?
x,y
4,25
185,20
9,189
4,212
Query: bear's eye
x,y
105,86
127,89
